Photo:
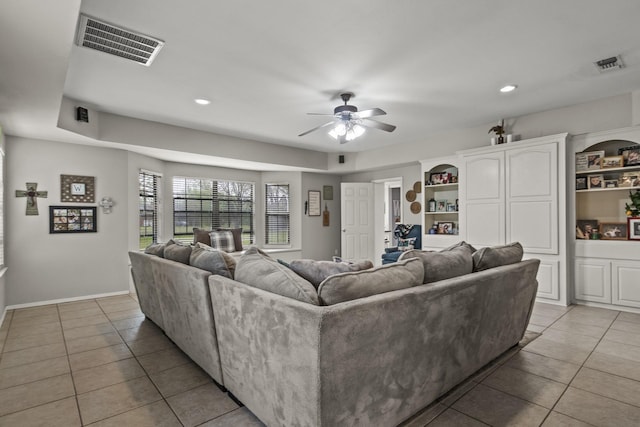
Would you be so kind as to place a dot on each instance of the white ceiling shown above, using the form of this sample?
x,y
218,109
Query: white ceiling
x,y
431,65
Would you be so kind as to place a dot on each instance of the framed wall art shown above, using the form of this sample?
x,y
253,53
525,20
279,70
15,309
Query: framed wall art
x,y
77,189
72,219
314,203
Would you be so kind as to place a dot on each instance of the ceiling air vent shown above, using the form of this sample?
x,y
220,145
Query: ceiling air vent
x,y
609,64
108,38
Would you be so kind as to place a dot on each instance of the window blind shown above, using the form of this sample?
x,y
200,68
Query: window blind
x,y
277,230
148,206
210,204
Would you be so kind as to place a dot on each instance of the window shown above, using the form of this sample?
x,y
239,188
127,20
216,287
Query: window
x,y
148,205
210,204
276,214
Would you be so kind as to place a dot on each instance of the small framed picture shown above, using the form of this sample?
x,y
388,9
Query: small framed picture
x,y
610,183
441,206
584,228
439,178
613,230
631,155
612,162
595,181
446,227
589,160
633,227
581,183
629,180
451,207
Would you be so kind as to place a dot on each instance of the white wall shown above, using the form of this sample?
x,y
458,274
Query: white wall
x,y
2,270
319,242
43,266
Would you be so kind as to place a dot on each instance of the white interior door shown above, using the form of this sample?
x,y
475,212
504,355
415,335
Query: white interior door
x,y
357,224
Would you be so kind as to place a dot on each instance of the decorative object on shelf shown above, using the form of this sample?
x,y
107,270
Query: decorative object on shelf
x,y
633,209
325,216
610,162
585,227
77,189
613,230
499,131
595,181
432,205
581,183
610,183
415,207
633,227
441,206
410,196
314,203
589,160
631,155
451,207
440,178
72,219
417,187
327,192
32,195
106,204
445,228
630,179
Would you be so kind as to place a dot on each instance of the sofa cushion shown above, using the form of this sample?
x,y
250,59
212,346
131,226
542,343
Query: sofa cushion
x,y
316,271
201,235
237,237
460,243
222,240
444,264
176,251
495,256
359,284
213,260
259,270
155,249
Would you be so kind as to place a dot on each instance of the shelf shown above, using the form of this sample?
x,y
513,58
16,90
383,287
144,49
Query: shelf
x,y
442,186
440,213
596,190
606,170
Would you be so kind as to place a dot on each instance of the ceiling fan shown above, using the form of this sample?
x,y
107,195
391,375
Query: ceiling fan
x,y
349,123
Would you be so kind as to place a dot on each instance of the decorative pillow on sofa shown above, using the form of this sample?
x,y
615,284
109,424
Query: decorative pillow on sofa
x,y
155,249
237,237
258,269
222,240
494,256
316,271
406,244
176,251
213,260
359,284
444,264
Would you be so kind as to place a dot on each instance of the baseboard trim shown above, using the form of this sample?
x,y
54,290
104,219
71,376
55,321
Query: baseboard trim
x,y
63,300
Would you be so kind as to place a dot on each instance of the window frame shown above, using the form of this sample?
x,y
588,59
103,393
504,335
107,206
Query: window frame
x,y
155,211
286,214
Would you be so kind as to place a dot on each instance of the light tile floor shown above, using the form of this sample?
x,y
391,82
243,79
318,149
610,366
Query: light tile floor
x,y
100,363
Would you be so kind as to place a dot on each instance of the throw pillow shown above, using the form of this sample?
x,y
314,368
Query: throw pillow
x,y
406,244
442,265
222,240
495,256
201,235
316,271
210,259
259,270
237,237
155,249
386,278
176,251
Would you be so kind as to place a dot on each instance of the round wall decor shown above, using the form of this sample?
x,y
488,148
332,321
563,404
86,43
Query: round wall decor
x,y
417,187
411,196
415,207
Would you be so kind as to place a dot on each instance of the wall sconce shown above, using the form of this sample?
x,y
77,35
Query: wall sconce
x,y
106,203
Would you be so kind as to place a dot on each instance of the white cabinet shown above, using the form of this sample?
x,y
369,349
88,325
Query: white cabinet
x,y
517,192
593,280
625,283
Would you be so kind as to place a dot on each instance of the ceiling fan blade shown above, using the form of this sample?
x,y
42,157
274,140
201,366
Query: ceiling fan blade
x,y
369,113
319,114
378,125
316,128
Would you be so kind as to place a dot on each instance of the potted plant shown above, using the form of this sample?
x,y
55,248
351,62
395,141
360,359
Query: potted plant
x,y
499,131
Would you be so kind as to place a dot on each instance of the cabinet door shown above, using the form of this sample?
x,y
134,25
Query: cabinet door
x,y
483,196
593,280
625,283
548,279
532,198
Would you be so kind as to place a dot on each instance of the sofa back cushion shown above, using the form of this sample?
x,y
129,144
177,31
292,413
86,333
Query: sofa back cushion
x,y
316,271
156,249
210,259
495,256
353,285
176,251
445,264
256,268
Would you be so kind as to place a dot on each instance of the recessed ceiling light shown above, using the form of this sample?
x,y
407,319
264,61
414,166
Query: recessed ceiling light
x,y
508,88
202,101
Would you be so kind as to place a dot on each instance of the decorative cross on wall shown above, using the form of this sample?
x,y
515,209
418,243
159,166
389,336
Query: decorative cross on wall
x,y
32,195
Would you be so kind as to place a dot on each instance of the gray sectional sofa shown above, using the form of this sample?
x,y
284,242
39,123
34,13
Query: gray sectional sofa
x,y
369,348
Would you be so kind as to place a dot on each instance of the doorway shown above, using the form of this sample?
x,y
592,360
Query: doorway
x,y
388,213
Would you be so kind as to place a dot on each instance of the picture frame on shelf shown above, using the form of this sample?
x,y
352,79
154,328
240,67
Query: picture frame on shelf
x,y
441,205
445,227
610,183
581,183
589,160
629,179
610,162
439,178
633,227
613,230
595,181
584,228
631,155
72,219
451,207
